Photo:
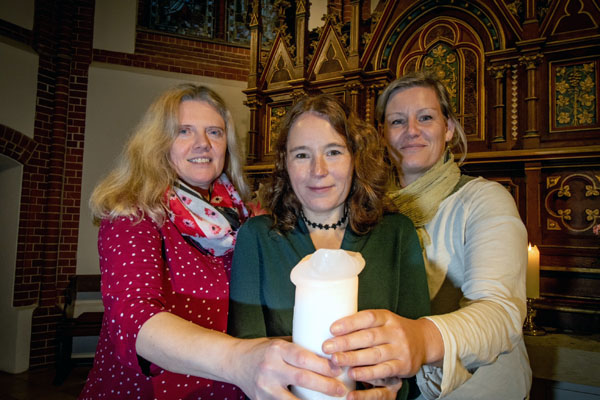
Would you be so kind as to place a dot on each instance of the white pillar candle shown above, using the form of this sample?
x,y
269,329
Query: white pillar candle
x,y
533,272
326,290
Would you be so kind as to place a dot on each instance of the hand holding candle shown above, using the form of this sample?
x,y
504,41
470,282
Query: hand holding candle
x,y
326,290
533,272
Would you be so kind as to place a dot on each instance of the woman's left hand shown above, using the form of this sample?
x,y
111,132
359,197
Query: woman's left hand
x,y
378,344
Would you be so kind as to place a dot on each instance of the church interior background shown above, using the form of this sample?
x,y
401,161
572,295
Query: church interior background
x,y
523,76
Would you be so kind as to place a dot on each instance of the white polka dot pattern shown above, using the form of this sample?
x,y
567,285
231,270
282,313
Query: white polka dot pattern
x,y
145,270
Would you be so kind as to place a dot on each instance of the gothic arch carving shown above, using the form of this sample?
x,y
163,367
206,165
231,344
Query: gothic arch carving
x,y
569,16
330,58
280,66
483,21
453,52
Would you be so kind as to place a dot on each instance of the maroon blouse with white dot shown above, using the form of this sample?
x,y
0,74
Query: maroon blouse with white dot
x,y
138,282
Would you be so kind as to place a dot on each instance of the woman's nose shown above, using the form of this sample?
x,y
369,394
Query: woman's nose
x,y
319,166
412,126
201,141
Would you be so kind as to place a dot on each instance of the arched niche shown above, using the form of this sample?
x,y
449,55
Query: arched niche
x,y
15,330
453,52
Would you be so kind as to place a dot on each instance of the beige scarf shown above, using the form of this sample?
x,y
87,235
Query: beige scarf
x,y
420,200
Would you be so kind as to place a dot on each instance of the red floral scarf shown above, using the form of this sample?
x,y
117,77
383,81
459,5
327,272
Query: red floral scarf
x,y
210,226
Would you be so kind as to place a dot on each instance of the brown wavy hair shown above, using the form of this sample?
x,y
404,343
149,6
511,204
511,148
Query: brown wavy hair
x,y
136,186
369,178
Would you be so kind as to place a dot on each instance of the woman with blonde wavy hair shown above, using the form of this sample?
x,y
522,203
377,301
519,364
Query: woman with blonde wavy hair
x,y
169,215
471,347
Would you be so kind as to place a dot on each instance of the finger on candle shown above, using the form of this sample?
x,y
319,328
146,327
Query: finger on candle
x,y
381,374
301,358
285,364
319,383
369,355
361,320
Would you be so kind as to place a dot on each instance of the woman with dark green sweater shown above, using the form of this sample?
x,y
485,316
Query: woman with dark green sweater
x,y
327,192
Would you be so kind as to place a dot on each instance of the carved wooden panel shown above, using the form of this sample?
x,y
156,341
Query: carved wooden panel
x,y
330,58
524,80
280,66
570,254
511,176
574,94
275,112
452,51
570,206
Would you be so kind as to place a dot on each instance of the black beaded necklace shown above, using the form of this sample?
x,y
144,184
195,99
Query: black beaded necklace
x,y
325,226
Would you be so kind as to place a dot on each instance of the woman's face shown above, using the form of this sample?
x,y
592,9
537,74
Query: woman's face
x,y
416,131
319,165
200,147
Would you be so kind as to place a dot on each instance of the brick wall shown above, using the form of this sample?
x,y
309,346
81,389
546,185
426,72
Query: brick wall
x,y
63,38
175,54
53,159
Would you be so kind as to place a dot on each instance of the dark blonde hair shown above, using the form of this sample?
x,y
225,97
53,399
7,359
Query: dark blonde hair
x,y
369,178
136,187
421,79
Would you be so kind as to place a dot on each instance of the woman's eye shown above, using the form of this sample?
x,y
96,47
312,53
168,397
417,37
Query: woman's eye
x,y
334,153
215,132
300,155
397,122
184,130
426,117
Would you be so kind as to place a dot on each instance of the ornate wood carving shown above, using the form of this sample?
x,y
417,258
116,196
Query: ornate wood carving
x,y
531,63
499,74
448,48
514,102
279,69
523,78
255,42
330,57
572,202
574,93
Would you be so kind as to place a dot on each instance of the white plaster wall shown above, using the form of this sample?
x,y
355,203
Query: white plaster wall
x,y
18,86
15,329
117,98
318,8
18,12
114,25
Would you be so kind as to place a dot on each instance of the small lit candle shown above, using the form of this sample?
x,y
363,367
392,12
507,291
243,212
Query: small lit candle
x,y
533,272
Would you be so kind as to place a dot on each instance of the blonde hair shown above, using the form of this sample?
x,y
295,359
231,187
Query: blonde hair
x,y
136,187
421,79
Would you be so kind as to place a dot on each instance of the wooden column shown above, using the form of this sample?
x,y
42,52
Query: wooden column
x,y
533,173
255,43
255,105
353,56
531,62
499,114
302,15
372,93
354,89
531,24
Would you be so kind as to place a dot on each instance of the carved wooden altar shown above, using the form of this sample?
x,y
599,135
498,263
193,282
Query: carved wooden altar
x,y
524,81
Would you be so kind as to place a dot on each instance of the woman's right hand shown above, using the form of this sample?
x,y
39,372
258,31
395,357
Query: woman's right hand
x,y
378,344
266,367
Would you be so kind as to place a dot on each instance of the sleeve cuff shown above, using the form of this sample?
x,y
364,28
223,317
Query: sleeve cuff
x,y
435,382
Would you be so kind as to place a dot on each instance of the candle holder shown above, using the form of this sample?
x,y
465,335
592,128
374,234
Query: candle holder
x,y
529,327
